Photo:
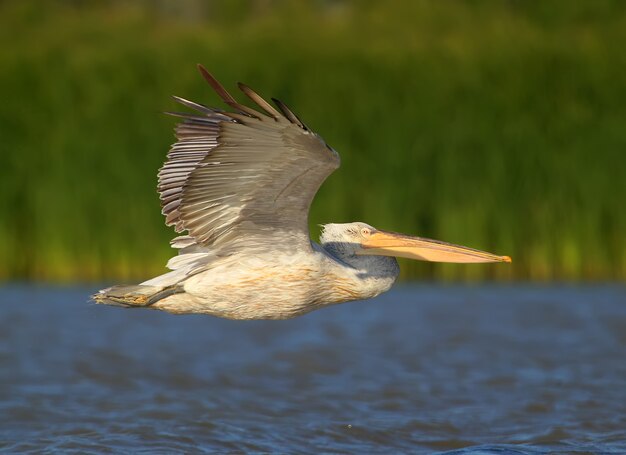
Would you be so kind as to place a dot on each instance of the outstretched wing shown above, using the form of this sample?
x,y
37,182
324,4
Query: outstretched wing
x,y
242,176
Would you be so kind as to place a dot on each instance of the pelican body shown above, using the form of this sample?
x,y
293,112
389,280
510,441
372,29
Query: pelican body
x,y
239,185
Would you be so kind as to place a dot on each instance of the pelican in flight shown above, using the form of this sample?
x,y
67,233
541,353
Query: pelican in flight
x,y
239,185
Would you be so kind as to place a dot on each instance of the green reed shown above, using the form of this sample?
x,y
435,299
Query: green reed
x,y
499,125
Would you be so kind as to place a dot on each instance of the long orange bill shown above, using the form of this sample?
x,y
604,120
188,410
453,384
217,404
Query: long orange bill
x,y
384,243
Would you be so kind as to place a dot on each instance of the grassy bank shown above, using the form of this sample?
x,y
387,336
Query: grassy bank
x,y
500,125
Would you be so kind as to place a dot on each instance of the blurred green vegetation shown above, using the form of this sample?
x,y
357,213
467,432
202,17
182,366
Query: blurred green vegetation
x,y
496,124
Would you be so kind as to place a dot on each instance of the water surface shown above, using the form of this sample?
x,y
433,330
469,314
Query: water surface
x,y
422,369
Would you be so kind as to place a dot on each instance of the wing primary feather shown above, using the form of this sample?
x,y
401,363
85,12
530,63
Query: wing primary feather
x,y
195,106
219,89
189,116
293,118
267,107
226,97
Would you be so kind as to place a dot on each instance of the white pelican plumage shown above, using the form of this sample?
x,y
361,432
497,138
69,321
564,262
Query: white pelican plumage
x,y
240,184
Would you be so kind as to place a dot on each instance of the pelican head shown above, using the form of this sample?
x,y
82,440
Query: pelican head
x,y
360,239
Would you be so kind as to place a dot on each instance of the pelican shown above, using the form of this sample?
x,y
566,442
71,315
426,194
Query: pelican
x,y
239,185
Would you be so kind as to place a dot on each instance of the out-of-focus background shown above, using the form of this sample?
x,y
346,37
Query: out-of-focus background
x,y
500,125
496,124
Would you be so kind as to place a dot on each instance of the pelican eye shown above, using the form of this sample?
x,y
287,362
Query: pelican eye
x,y
365,232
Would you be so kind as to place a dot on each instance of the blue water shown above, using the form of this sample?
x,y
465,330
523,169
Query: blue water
x,y
422,369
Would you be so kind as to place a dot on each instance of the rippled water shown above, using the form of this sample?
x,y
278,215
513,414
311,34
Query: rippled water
x,y
526,370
